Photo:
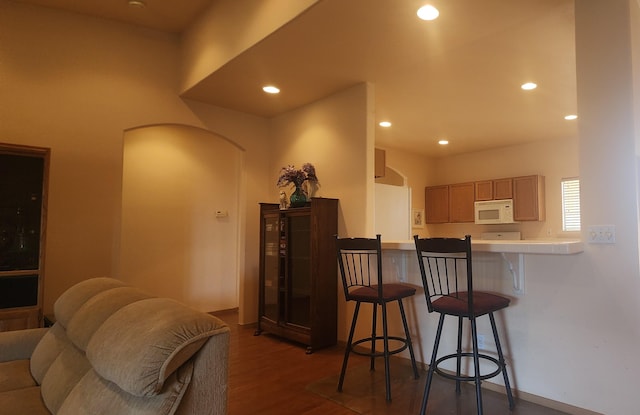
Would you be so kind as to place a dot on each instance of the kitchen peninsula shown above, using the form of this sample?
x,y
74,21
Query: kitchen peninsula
x,y
499,265
519,246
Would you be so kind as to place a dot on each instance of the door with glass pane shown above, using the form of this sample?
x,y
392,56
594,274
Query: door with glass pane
x,y
271,260
298,270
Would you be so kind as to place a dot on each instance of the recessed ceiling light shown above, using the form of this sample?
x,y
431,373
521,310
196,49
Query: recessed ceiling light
x,y
385,124
270,89
428,12
443,142
137,3
570,117
528,86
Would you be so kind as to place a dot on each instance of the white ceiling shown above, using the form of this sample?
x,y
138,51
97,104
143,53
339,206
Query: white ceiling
x,y
457,77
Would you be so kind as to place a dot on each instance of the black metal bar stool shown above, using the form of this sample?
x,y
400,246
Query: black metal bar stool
x,y
360,262
445,267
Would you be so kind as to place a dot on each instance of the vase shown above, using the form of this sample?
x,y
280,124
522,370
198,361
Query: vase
x,y
298,198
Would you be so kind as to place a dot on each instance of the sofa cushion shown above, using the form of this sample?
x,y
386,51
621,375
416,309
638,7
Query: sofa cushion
x,y
96,310
22,402
63,375
149,339
15,375
47,351
70,301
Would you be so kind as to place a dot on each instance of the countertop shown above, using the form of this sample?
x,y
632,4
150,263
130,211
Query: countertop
x,y
521,246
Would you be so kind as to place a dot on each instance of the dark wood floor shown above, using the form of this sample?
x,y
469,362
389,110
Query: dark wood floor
x,y
268,375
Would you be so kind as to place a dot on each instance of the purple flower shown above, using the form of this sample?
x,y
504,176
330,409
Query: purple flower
x,y
290,174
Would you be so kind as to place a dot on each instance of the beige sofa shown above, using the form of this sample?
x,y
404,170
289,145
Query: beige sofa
x,y
118,351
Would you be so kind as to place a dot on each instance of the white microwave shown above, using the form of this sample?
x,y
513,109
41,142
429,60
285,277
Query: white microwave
x,y
489,212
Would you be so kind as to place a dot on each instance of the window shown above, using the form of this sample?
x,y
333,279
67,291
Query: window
x,y
571,204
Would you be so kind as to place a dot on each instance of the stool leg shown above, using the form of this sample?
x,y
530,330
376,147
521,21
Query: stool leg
x,y
348,348
432,366
503,365
372,364
408,337
459,355
385,338
476,364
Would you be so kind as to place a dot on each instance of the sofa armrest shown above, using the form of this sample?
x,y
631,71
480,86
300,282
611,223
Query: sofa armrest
x,y
19,344
207,392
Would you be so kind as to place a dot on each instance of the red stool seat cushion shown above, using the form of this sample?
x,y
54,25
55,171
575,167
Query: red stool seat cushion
x,y
390,292
457,303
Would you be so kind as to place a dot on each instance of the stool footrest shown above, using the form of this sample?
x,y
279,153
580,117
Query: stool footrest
x,y
453,376
381,353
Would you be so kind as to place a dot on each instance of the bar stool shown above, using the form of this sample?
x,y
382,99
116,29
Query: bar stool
x,y
445,267
360,263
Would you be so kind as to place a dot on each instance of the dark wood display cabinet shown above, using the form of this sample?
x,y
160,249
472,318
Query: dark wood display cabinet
x,y
23,184
298,272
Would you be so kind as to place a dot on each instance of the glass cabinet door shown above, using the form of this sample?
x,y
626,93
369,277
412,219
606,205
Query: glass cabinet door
x,y
298,308
271,261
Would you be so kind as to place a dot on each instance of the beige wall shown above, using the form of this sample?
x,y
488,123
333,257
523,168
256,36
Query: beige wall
x,y
331,134
608,196
62,91
251,134
175,179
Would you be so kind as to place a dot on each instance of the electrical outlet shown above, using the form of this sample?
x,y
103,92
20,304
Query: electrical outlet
x,y
602,234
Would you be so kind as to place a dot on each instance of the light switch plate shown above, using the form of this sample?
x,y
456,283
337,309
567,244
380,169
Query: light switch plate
x,y
602,234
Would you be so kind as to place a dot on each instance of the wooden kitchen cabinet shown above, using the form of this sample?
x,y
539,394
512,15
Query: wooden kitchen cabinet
x,y
436,204
461,202
484,190
528,198
298,269
454,203
503,189
23,197
494,189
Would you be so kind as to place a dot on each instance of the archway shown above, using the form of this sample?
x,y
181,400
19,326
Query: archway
x,y
180,215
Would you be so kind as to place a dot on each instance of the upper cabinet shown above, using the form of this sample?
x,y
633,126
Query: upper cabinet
x,y
436,204
461,199
449,203
484,190
454,203
503,189
528,198
494,189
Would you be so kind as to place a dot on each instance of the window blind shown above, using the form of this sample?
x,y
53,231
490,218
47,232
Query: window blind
x,y
570,204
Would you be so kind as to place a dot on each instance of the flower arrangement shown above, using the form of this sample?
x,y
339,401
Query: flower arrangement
x,y
290,174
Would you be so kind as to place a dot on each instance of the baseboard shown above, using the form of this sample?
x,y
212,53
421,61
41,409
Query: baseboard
x,y
539,400
225,311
